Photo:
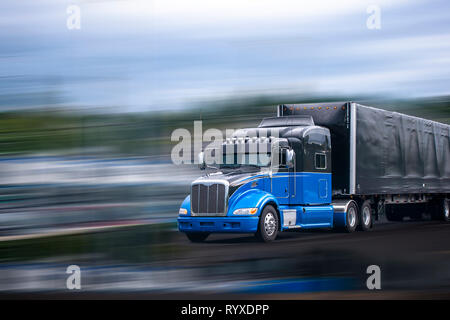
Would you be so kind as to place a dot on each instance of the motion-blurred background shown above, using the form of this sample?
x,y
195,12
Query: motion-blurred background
x,y
91,90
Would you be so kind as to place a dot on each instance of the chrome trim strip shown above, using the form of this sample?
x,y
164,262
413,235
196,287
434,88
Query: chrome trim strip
x,y
341,205
292,227
352,178
326,189
210,181
275,175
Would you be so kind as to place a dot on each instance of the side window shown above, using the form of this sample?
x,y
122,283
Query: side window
x,y
317,138
281,165
321,161
282,157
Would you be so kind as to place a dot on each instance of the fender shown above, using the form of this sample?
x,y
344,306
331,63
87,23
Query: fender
x,y
253,198
187,205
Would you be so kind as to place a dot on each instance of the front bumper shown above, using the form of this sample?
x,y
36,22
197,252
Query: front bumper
x,y
218,224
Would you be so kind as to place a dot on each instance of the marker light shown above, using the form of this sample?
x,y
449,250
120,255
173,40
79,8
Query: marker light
x,y
182,211
245,211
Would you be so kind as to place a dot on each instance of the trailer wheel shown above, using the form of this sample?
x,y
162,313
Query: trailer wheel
x,y
351,216
444,210
365,216
197,236
268,224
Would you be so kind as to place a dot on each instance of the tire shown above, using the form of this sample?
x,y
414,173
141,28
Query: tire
x,y
365,216
443,210
351,217
197,236
393,214
268,224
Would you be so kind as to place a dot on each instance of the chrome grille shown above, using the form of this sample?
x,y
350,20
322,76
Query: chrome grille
x,y
208,199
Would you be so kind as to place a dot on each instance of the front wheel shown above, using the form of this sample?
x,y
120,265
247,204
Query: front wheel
x,y
197,236
268,224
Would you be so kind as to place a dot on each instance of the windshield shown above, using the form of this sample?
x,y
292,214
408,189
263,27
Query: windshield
x,y
236,160
233,160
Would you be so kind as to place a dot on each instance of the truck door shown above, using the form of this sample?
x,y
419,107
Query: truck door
x,y
293,184
280,179
316,176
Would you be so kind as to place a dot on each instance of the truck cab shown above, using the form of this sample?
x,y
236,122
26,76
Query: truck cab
x,y
271,178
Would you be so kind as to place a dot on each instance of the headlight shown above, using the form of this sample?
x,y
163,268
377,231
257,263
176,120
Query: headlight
x,y
245,211
182,211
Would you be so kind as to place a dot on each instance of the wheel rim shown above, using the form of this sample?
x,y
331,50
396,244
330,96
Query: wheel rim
x,y
366,216
446,209
351,217
270,224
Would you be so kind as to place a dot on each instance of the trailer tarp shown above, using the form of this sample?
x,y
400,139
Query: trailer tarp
x,y
395,153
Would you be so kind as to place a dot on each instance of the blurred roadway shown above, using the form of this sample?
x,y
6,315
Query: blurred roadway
x,y
47,194
414,258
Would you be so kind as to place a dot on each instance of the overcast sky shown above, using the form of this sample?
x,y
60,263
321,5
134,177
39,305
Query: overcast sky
x,y
143,55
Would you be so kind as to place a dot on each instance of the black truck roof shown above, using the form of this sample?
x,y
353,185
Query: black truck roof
x,y
303,120
333,115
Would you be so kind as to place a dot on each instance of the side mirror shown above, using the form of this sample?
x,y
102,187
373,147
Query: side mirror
x,y
290,158
201,161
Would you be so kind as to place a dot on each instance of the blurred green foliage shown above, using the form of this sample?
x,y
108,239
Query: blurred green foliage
x,y
148,133
134,244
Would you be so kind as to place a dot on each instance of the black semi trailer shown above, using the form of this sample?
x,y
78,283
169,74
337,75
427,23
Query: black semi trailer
x,y
332,165
399,163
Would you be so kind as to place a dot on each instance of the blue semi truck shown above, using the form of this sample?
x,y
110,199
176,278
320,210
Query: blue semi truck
x,y
324,165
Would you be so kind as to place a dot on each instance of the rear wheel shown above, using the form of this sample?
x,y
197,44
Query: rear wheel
x,y
351,216
365,216
443,210
197,236
268,224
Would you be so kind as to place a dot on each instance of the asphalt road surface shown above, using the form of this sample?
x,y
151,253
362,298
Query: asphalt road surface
x,y
413,256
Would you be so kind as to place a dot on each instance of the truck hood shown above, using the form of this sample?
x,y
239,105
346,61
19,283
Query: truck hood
x,y
233,178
